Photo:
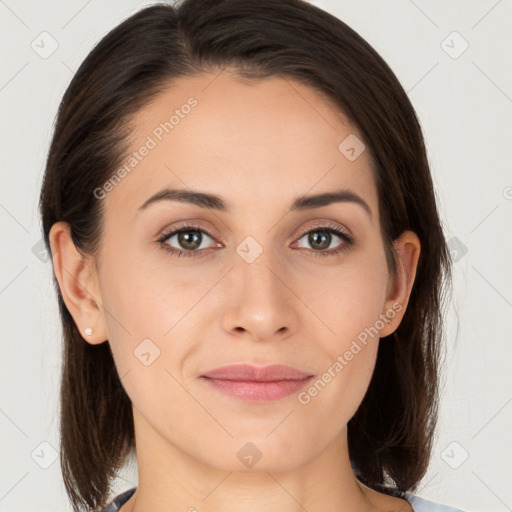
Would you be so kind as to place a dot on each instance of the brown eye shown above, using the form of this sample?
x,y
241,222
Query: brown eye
x,y
321,239
188,239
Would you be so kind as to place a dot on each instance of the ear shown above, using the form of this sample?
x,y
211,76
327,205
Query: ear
x,y
407,248
78,283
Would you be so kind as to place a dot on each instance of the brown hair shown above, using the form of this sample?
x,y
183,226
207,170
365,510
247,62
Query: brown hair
x,y
391,433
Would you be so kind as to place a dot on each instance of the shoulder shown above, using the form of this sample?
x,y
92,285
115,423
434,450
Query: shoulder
x,y
420,504
118,501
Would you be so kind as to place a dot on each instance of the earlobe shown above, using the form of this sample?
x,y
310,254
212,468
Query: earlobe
x,y
78,284
407,249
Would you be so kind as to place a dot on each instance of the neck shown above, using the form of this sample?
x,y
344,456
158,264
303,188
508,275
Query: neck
x,y
170,479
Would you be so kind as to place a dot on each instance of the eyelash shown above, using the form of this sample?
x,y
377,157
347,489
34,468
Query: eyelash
x,y
348,241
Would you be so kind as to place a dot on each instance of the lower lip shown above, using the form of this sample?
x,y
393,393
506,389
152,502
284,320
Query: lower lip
x,y
257,391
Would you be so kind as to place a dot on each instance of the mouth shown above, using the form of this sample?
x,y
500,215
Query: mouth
x,y
258,384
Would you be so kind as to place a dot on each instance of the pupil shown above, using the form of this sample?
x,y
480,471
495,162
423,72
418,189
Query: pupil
x,y
314,239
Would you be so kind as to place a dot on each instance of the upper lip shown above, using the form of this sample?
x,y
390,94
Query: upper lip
x,y
245,372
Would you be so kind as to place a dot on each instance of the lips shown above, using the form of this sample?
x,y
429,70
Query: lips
x,y
257,384
249,373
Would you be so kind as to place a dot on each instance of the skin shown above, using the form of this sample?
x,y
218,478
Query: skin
x,y
259,145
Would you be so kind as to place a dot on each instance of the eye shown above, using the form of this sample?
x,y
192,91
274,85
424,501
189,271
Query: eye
x,y
189,239
320,239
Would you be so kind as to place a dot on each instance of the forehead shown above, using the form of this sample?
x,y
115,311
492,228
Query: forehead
x,y
249,140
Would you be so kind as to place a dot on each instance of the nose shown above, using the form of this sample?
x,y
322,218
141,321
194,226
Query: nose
x,y
261,304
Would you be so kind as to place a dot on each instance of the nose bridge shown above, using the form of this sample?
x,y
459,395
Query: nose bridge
x,y
258,268
259,302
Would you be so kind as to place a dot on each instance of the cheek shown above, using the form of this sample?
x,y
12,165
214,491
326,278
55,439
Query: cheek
x,y
149,334
146,300
353,295
355,307
352,306
151,313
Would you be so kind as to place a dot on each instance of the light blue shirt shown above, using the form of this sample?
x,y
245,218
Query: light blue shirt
x,y
420,504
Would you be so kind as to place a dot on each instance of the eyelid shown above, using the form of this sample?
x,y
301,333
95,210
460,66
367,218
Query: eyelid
x,y
327,224
184,225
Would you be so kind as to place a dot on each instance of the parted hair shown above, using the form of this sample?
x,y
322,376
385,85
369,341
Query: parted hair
x,y
390,435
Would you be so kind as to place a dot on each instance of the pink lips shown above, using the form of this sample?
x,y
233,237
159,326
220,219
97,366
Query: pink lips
x,y
257,383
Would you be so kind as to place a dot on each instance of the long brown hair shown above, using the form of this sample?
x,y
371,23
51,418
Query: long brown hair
x,y
390,435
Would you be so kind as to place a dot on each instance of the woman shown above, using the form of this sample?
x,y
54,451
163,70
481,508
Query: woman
x,y
249,265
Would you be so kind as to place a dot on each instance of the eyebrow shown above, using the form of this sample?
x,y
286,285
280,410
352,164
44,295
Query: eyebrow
x,y
215,202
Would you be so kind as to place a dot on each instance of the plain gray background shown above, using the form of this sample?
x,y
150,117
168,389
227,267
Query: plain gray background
x,y
463,97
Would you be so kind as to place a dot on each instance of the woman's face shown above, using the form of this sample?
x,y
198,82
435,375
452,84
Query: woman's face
x,y
259,281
